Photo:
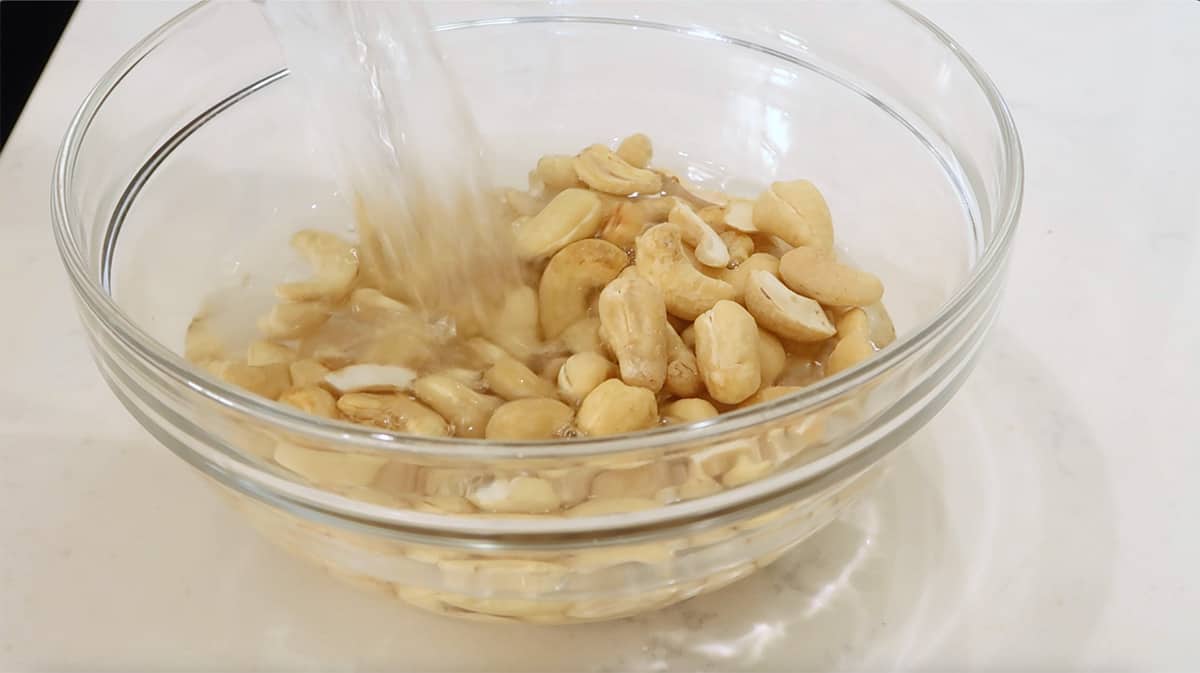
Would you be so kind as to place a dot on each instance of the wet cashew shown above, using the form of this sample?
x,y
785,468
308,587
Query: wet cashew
x,y
853,345
635,482
267,380
655,209
602,170
572,215
603,506
529,495
466,410
557,172
689,336
613,408
329,468
759,261
530,419
583,337
623,227
882,331
312,400
727,352
771,356
307,372
636,150
683,374
686,291
372,305
710,248
515,326
580,375
795,212
393,411
487,352
334,261
690,410
552,367
740,247
268,353
739,214
373,378
512,380
293,320
523,204
633,322
784,312
570,280
817,274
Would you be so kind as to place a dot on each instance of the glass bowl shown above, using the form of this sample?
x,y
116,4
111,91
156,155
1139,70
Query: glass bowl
x,y
188,165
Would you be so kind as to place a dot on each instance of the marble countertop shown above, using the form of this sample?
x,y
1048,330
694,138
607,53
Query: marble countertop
x,y
1045,520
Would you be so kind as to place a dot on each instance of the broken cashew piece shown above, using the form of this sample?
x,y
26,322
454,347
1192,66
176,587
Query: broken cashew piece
x,y
269,381
686,291
604,171
727,352
790,315
710,248
570,280
583,337
512,380
690,410
333,260
329,468
795,212
636,150
680,188
815,273
633,322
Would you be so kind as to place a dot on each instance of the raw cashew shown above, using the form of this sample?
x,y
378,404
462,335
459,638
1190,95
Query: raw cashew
x,y
307,372
572,215
601,169
329,468
372,305
267,380
690,410
487,352
466,410
334,261
784,312
570,280
683,374
393,411
515,326
580,375
523,204
530,419
613,408
623,227
739,214
528,495
771,356
583,337
552,367
854,343
636,150
710,249
312,400
633,322
740,247
268,353
686,291
727,352
815,273
744,471
293,320
795,212
655,209
374,378
512,380
557,172
759,261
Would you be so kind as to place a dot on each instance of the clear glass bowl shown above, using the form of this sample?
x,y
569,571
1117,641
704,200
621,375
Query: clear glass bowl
x,y
188,165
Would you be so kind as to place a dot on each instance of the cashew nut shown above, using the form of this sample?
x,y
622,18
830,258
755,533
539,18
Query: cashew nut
x,y
784,312
307,372
613,408
601,169
690,410
293,320
266,380
570,280
771,356
572,215
334,261
624,226
683,374
710,249
795,212
815,273
740,247
515,326
268,353
583,336
466,410
727,352
580,375
374,378
686,291
393,411
530,419
739,214
673,185
512,380
311,400
636,150
329,468
529,495
853,345
557,172
633,322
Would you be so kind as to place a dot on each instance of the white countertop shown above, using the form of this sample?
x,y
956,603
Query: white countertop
x,y
1047,519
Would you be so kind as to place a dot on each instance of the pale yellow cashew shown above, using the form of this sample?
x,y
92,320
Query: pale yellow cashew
x,y
583,337
572,215
683,374
602,170
268,353
201,342
393,411
854,343
581,373
552,367
514,327
530,419
527,495
635,482
624,225
466,410
772,357
795,212
784,312
690,410
293,320
613,408
334,261
329,468
371,305
307,372
512,380
633,322
370,378
727,352
311,400
686,291
710,248
523,204
815,273
769,393
739,215
572,278
557,172
636,150
740,247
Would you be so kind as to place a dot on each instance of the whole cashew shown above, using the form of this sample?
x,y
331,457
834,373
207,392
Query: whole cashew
x,y
661,260
636,150
572,215
602,170
727,352
815,273
784,312
795,212
633,322
710,248
570,280
334,261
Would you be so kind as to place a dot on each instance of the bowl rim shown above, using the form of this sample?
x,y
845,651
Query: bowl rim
x,y
165,361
